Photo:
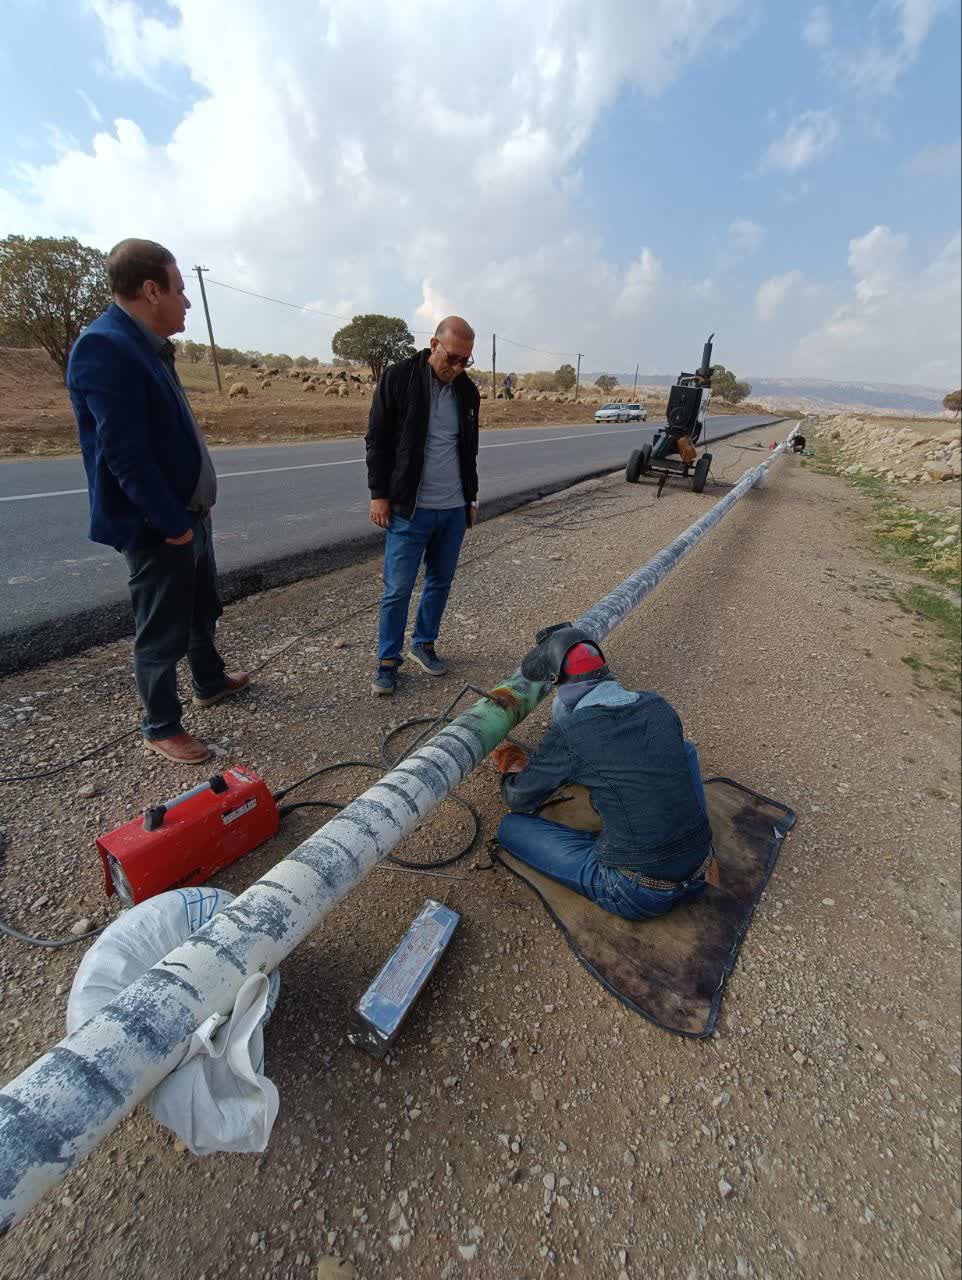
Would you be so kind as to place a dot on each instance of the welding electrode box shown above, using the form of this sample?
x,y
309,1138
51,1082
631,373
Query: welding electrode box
x,y
381,1012
184,841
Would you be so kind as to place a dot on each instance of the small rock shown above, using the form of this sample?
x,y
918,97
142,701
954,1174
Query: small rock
x,y
537,1091
725,1189
340,643
743,1266
799,1057
41,902
828,902
450,1081
88,791
549,1182
81,926
629,1159
468,1252
722,1100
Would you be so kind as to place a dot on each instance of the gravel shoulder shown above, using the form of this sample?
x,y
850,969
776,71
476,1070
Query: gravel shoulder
x,y
529,1126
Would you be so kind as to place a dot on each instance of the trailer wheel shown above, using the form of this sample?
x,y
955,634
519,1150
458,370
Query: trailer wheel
x,y
700,474
633,469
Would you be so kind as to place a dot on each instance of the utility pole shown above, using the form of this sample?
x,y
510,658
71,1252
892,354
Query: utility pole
x,y
578,376
210,329
494,358
634,385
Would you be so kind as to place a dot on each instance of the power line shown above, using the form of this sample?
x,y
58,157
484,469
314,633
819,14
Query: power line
x,y
540,350
296,306
331,315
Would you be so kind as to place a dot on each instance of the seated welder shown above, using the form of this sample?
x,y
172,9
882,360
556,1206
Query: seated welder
x,y
655,847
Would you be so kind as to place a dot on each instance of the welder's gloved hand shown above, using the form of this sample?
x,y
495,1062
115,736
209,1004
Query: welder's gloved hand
x,y
509,758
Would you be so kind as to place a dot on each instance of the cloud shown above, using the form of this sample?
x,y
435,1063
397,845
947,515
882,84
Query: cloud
x,y
810,136
92,109
901,322
640,284
937,160
744,238
342,156
773,292
897,30
817,31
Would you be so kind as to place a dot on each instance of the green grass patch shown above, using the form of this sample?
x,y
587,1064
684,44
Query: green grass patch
x,y
937,608
902,531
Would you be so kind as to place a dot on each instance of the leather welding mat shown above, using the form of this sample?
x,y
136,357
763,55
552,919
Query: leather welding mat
x,y
671,970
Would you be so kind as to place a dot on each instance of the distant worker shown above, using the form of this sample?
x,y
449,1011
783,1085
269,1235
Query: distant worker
x,y
422,471
655,847
151,485
508,389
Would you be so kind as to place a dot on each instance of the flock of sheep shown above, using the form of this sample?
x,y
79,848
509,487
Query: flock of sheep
x,y
332,384
343,381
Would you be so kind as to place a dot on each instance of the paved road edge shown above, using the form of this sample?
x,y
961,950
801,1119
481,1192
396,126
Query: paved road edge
x,y
26,648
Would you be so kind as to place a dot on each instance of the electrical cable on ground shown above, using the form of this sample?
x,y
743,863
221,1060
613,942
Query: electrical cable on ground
x,y
568,512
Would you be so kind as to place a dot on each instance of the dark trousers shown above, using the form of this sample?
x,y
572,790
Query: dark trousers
x,y
176,605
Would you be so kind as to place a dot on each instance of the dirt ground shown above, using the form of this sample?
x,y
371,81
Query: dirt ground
x,y
527,1125
36,419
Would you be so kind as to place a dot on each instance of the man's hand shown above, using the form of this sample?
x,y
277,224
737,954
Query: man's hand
x,y
182,540
472,514
380,512
509,758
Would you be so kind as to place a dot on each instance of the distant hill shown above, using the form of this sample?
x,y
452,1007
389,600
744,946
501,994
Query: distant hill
x,y
817,395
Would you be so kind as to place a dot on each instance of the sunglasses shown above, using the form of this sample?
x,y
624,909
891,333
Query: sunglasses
x,y
465,362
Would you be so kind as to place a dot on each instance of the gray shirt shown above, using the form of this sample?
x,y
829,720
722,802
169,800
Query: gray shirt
x,y
205,490
441,486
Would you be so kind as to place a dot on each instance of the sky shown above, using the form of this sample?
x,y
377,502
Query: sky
x,y
616,178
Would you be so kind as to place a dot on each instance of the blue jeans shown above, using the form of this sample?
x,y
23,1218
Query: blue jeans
x,y
571,858
434,537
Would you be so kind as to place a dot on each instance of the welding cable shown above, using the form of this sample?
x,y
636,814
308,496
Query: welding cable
x,y
52,944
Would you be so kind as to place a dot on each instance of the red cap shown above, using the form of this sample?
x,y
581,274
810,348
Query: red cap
x,y
582,658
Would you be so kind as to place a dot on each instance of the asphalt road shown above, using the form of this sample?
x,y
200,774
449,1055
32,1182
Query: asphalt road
x,y
283,512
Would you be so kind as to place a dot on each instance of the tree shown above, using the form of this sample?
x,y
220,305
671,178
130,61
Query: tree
x,y
49,291
953,401
301,362
190,350
374,340
607,383
726,385
566,377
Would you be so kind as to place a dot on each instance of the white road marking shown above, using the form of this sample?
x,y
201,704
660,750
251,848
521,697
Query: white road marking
x,y
343,462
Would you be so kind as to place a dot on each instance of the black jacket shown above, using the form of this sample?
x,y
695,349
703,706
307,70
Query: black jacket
x,y
632,759
398,430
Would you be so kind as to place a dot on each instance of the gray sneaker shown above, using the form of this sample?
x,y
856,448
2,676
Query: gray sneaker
x,y
385,678
425,657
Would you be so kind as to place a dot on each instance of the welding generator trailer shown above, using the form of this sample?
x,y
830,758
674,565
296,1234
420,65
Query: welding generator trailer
x,y
673,451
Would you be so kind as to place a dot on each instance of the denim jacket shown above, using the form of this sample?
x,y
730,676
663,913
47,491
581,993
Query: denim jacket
x,y
628,749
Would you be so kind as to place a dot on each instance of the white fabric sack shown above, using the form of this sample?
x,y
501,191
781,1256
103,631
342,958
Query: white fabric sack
x,y
217,1098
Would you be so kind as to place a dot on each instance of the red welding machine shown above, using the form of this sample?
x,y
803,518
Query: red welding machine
x,y
185,840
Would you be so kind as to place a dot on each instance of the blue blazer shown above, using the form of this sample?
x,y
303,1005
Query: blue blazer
x,y
139,445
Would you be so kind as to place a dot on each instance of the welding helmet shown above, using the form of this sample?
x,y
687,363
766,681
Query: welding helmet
x,y
548,661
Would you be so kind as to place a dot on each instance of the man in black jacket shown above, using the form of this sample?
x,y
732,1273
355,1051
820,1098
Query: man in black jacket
x,y
628,749
422,471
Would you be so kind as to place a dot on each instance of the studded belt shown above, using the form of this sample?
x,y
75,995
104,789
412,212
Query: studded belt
x,y
650,882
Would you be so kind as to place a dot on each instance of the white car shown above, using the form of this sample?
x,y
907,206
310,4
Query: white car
x,y
619,411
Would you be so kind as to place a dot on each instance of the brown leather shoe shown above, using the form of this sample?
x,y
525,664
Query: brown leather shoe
x,y
236,682
181,748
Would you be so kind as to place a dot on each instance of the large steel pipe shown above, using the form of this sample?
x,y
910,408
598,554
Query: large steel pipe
x,y
59,1108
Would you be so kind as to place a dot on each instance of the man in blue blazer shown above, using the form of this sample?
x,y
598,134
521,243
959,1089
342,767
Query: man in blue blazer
x,y
151,483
